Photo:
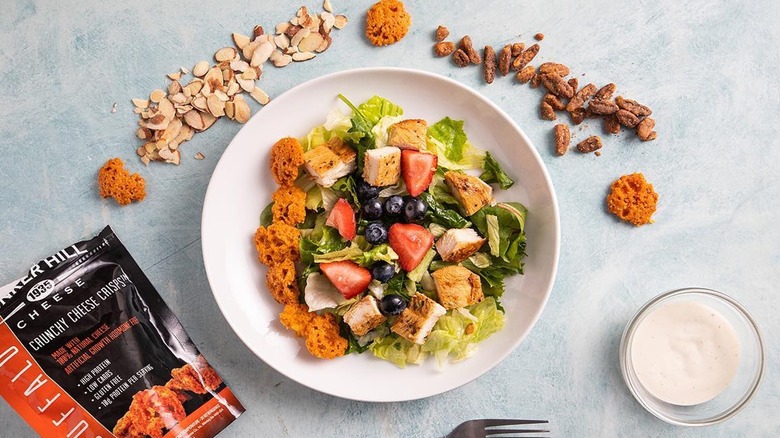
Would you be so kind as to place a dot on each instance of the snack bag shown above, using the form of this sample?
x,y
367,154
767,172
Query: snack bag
x,y
89,349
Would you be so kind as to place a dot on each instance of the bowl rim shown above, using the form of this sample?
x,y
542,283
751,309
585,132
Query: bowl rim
x,y
732,410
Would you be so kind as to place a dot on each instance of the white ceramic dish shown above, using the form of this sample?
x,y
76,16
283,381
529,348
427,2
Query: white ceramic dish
x,y
241,186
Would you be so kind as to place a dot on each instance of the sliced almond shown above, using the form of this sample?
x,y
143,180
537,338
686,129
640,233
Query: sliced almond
x,y
327,21
296,39
199,156
157,95
185,134
257,31
145,160
178,99
250,74
143,133
239,65
140,103
183,109
282,27
174,87
303,56
172,131
199,121
249,49
324,45
260,96
246,84
200,103
283,61
340,21
240,40
230,109
227,75
310,43
184,70
241,109
175,158
327,6
214,79
225,54
275,55
282,41
233,88
157,122
195,86
216,106
262,53
150,147
174,76
301,11
166,109
173,145
141,151
200,69
221,95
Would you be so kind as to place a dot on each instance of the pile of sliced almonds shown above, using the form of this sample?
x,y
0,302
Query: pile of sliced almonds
x,y
168,119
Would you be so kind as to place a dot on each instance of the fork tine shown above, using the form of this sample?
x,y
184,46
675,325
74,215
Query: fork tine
x,y
509,422
496,432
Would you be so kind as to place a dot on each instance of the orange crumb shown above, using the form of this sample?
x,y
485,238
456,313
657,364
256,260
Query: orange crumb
x,y
539,36
281,282
296,317
387,22
320,331
286,158
116,182
633,199
276,243
289,205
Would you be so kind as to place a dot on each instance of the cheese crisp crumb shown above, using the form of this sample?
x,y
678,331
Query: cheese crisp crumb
x,y
387,22
116,182
633,199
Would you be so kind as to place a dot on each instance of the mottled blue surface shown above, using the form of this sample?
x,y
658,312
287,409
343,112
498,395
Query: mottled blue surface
x,y
709,70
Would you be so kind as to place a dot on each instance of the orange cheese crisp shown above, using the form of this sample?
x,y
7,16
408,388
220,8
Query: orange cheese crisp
x,y
286,158
633,199
321,331
280,280
289,205
387,22
116,182
276,243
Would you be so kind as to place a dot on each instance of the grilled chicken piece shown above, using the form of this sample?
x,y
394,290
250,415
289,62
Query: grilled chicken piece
x,y
364,316
457,287
343,150
408,134
471,192
458,244
382,166
417,320
327,166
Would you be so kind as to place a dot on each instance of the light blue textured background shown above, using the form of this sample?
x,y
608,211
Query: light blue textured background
x,y
709,70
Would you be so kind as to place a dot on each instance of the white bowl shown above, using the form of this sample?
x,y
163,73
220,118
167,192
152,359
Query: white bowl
x,y
241,186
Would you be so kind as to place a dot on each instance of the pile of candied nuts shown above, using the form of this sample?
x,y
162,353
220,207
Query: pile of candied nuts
x,y
563,94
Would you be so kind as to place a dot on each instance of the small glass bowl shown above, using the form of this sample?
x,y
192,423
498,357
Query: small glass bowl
x,y
741,389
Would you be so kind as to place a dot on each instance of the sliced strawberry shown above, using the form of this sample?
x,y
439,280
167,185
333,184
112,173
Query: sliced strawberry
x,y
348,277
411,242
417,169
342,218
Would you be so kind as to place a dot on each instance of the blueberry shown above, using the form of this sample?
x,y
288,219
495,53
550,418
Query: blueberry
x,y
394,205
376,233
382,272
414,210
366,191
372,209
392,304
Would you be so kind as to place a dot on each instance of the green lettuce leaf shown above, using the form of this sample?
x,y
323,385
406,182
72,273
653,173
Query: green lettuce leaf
x,y
345,187
416,274
267,216
438,213
377,107
493,234
495,174
358,255
321,240
449,133
395,349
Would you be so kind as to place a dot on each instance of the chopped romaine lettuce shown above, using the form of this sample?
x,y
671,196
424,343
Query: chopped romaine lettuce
x,y
377,107
321,294
494,241
346,188
447,139
380,130
438,213
395,349
356,254
322,240
495,174
416,274
267,216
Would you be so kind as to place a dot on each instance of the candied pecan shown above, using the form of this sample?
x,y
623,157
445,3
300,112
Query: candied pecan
x,y
547,111
605,92
524,58
574,84
539,36
611,124
578,115
644,130
590,144
490,64
536,80
468,48
553,67
627,118
633,106
517,48
526,74
562,138
557,86
581,97
554,102
444,48
602,107
504,60
442,33
460,58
